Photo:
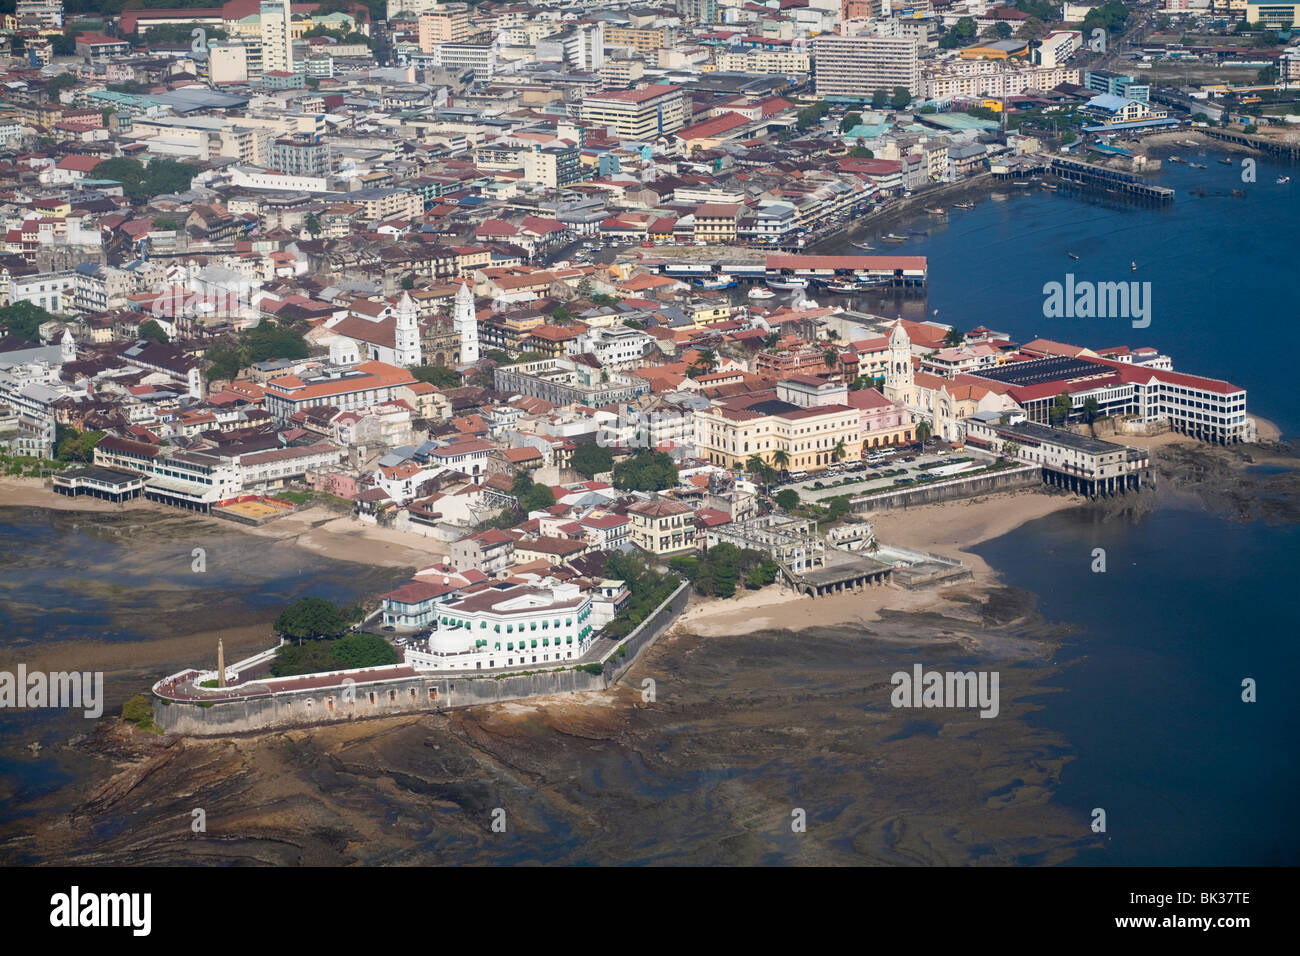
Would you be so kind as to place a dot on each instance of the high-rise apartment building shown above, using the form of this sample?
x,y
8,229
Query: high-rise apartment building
x,y
277,36
858,66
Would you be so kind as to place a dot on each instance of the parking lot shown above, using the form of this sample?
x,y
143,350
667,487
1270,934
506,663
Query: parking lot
x,y
880,472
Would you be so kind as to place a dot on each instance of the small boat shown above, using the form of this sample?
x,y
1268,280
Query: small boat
x,y
840,287
1190,142
1072,255
1225,161
1177,159
1283,180
1050,186
890,237
1133,267
788,282
862,245
1200,165
721,281
963,205
1238,194
758,292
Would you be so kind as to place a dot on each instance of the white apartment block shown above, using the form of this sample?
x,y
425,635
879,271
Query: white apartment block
x,y
858,66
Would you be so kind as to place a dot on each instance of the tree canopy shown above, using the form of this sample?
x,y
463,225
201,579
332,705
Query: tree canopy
x,y
311,618
590,459
24,320
439,376
140,182
645,471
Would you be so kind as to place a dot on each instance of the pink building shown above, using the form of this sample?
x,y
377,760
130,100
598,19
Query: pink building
x,y
883,422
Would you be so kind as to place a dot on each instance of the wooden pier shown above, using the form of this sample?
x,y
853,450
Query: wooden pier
x,y
1129,185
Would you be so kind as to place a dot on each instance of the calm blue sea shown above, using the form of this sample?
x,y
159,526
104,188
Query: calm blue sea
x,y
1190,604
1224,291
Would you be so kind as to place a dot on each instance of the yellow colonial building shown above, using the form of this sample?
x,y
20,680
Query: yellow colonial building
x,y
812,438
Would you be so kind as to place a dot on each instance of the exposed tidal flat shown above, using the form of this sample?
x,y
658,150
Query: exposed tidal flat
x,y
746,729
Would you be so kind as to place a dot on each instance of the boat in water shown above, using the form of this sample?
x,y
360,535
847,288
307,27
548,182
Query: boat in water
x,y
1177,159
1226,161
787,283
758,292
863,246
963,205
1133,267
841,287
1283,180
722,281
1072,255
891,237
1050,186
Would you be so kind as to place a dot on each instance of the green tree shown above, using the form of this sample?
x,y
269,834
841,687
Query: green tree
x,y
1091,412
704,364
23,320
72,445
1060,411
850,120
140,182
408,282
164,224
590,459
830,358
439,376
538,497
363,650
861,152
645,471
62,81
879,99
787,499
953,337
923,432
781,458
152,331
310,618
839,452
1002,29
1032,29
311,222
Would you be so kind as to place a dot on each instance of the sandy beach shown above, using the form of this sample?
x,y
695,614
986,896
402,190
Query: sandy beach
x,y
317,529
947,528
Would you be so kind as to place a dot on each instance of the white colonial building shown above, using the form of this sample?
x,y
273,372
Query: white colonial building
x,y
507,625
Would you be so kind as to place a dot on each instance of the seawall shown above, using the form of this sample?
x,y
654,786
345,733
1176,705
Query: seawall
x,y
360,700
1010,479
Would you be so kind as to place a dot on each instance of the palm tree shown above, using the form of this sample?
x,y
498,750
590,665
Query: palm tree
x,y
839,453
830,358
781,459
923,433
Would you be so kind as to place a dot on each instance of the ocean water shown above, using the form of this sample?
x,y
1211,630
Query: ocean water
x,y
1191,604
1224,296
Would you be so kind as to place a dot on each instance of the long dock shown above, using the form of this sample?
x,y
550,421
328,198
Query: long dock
x,y
1110,180
1265,144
